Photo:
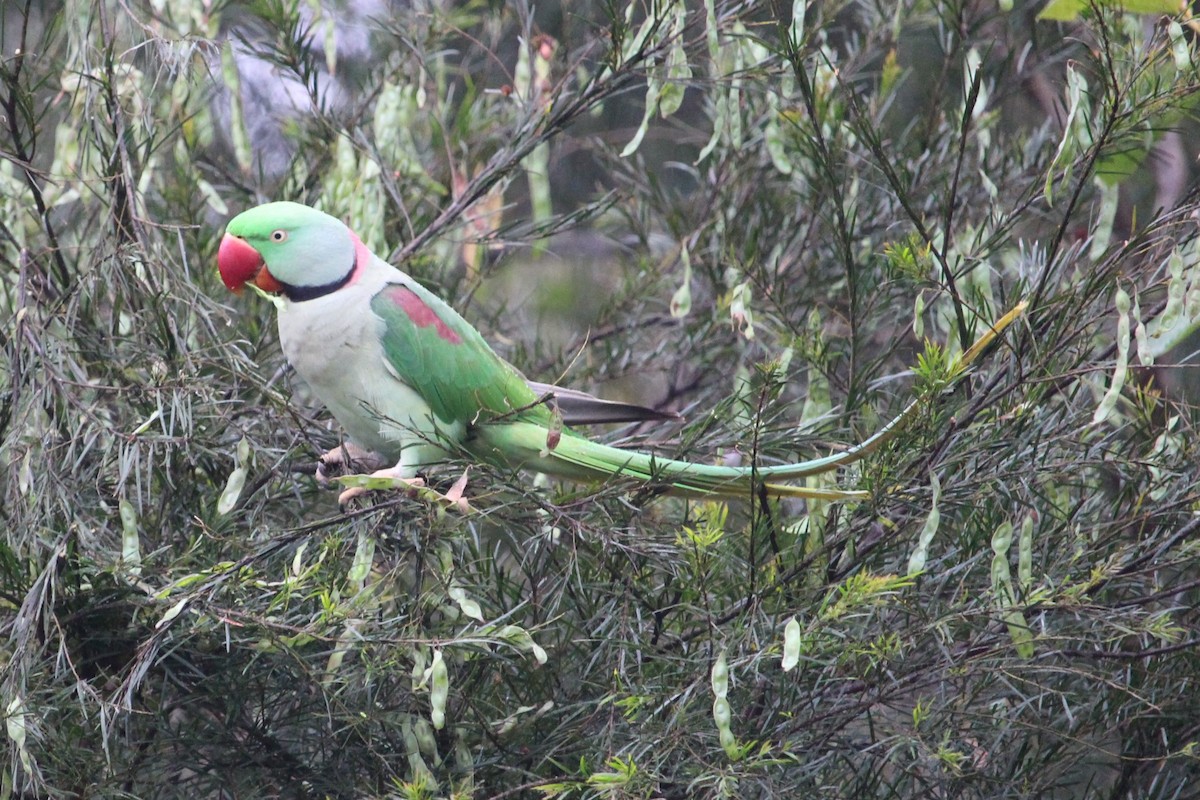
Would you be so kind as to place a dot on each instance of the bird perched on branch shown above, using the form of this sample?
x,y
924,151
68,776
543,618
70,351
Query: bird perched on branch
x,y
410,380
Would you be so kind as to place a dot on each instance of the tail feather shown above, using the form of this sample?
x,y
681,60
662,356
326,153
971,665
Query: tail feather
x,y
571,456
528,445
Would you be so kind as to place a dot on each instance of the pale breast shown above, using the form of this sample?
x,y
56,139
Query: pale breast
x,y
333,343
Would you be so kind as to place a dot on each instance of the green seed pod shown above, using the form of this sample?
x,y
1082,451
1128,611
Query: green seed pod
x,y
791,645
722,713
439,690
720,676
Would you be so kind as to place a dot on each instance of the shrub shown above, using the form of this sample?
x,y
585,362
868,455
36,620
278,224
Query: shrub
x,y
777,220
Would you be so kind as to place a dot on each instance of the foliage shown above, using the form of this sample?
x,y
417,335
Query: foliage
x,y
715,207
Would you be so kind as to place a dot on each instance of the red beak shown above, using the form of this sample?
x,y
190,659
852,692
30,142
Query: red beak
x,y
239,264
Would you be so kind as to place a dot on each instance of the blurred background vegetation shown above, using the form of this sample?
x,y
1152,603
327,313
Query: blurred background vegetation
x,y
766,216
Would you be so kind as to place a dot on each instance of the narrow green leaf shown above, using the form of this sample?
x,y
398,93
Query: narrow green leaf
x,y
360,567
634,45
1063,10
172,612
1154,7
273,299
799,11
145,426
298,559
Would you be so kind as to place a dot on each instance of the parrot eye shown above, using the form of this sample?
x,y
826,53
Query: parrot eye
x,y
278,236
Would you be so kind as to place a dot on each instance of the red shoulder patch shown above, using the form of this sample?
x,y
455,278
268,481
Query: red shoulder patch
x,y
420,313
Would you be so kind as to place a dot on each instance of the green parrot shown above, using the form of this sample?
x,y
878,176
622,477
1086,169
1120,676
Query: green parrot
x,y
411,381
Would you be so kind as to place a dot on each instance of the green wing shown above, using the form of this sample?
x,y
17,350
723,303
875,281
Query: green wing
x,y
437,352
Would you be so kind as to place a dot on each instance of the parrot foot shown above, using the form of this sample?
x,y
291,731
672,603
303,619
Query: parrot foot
x,y
394,478
382,479
345,457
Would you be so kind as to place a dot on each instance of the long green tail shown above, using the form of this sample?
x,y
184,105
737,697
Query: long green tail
x,y
577,458
525,444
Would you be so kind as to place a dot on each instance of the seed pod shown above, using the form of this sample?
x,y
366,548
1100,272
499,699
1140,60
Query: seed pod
x,y
439,690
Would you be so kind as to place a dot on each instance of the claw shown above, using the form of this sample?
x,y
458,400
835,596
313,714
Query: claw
x,y
455,496
345,455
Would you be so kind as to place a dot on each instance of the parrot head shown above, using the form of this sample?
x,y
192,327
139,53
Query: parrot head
x,y
289,249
